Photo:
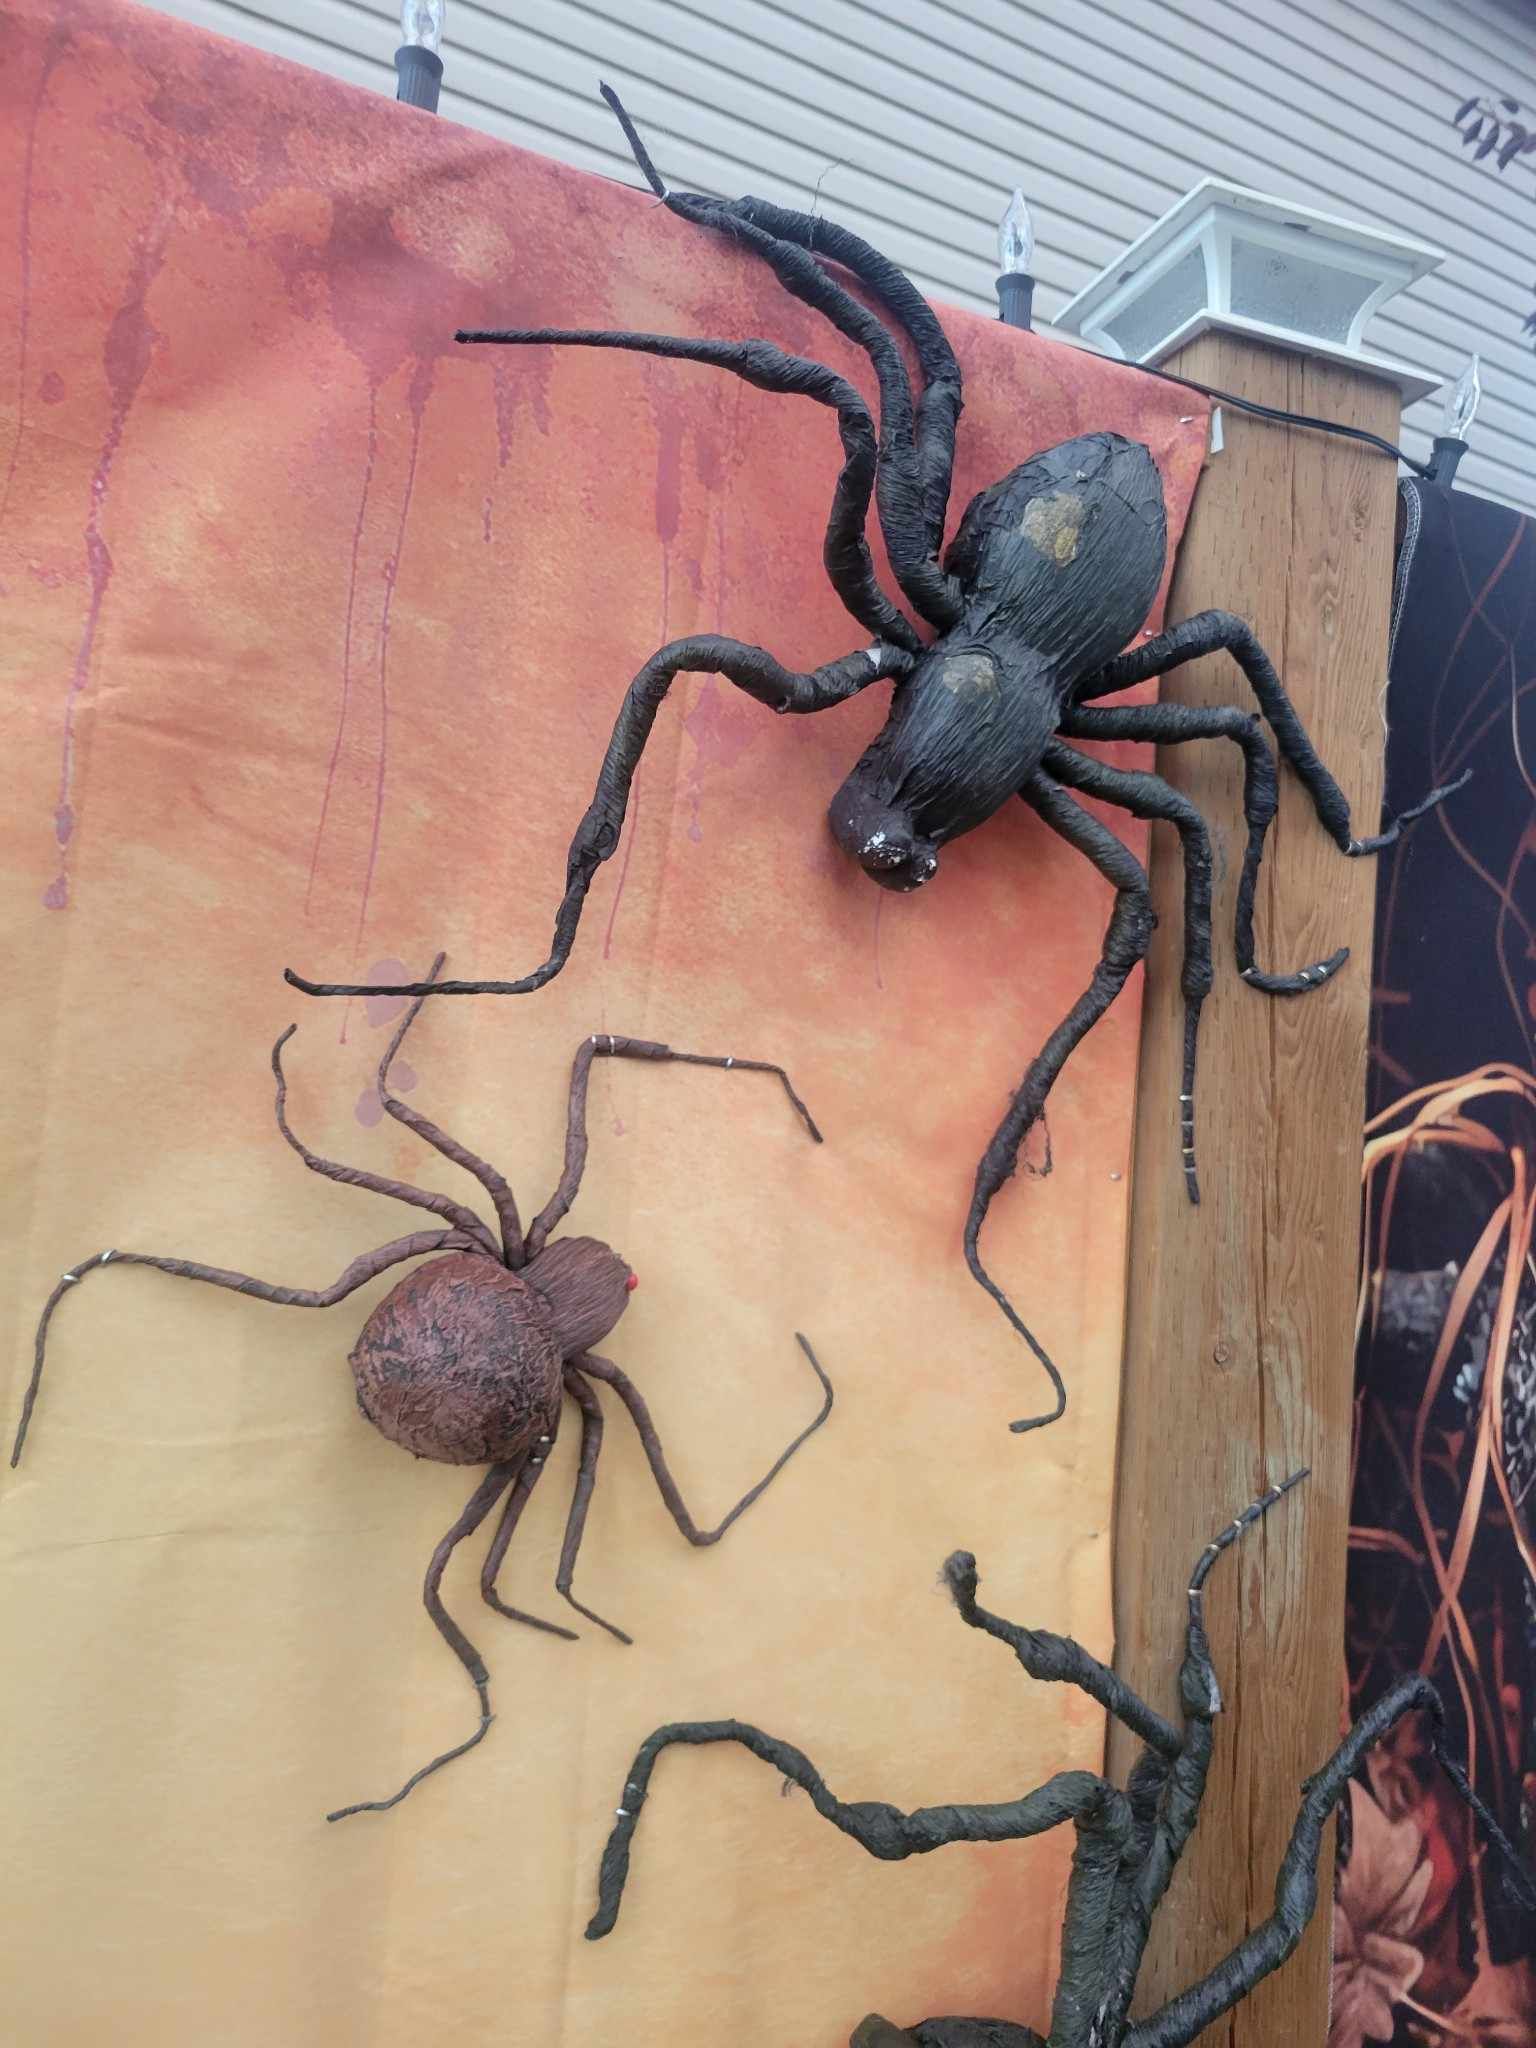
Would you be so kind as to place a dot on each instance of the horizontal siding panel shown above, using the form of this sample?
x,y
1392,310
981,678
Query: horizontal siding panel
x,y
916,117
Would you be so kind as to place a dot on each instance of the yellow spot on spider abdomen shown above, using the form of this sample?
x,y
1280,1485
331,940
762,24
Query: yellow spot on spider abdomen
x,y
1055,525
969,675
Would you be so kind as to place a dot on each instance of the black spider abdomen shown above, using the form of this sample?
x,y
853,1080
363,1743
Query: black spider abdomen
x,y
1065,554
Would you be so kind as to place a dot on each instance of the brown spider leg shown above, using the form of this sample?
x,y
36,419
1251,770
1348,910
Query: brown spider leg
x,y
1125,943
903,495
481,1501
1180,1783
1222,632
845,550
753,671
358,1274
494,1183
529,1473
604,1045
1178,2022
1260,803
452,1212
650,1442
586,1476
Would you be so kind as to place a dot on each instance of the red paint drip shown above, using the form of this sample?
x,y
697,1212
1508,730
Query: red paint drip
x,y
346,640
57,43
420,390
126,359
632,823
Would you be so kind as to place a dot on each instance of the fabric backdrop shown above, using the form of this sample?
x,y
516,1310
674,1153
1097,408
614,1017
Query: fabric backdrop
x,y
315,627
1442,1574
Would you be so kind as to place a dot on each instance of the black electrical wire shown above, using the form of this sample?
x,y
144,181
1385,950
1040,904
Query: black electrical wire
x,y
1290,419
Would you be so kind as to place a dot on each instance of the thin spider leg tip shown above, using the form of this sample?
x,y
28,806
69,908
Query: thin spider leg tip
x,y
448,1756
612,1627
826,1384
638,149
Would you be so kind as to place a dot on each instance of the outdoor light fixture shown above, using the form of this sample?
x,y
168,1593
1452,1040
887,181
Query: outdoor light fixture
x,y
1015,253
417,64
1237,261
1460,410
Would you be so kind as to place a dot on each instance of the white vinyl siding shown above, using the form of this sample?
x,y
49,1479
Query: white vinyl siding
x,y
916,117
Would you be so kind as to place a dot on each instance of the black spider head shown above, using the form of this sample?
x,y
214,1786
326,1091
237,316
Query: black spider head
x,y
882,838
1067,550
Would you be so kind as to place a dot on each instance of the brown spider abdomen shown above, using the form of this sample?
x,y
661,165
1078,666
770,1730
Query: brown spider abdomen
x,y
460,1362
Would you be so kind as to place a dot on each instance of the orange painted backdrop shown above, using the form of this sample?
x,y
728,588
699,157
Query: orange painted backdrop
x,y
314,631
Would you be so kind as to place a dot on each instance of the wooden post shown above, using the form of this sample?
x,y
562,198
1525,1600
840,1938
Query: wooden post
x,y
1240,1315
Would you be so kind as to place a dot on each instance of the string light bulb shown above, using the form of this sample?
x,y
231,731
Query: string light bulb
x,y
1015,255
418,66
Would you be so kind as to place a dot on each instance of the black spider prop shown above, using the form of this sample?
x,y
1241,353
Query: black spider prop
x,y
1049,576
467,1358
1128,1842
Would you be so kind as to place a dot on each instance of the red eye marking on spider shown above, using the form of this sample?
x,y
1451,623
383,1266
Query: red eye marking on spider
x,y
467,1359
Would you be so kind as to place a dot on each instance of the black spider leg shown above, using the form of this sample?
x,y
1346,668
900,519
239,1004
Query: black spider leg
x,y
1214,632
1267,1947
494,1183
1126,939
845,551
753,671
1148,796
1100,1813
481,1501
1059,1660
1166,1822
900,495
1095,1806
941,402
1168,724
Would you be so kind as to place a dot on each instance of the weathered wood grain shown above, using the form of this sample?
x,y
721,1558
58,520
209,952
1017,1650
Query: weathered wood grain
x,y
1240,1313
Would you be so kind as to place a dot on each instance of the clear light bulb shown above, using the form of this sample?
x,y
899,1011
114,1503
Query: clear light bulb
x,y
421,23
1015,238
1461,406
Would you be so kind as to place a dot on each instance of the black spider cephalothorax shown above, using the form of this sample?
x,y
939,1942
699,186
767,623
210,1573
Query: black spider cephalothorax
x,y
1128,1842
1050,575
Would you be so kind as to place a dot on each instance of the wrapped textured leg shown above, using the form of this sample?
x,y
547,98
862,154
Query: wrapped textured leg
x,y
753,671
1222,632
1125,943
1127,1846
650,1443
483,1499
1169,724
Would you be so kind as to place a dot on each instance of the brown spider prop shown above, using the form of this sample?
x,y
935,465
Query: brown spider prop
x,y
466,1359
1050,575
1128,1843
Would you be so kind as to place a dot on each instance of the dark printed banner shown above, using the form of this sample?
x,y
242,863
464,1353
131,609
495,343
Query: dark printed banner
x,y
1428,1948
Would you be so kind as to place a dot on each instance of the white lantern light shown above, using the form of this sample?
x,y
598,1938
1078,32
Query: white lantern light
x,y
1238,261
